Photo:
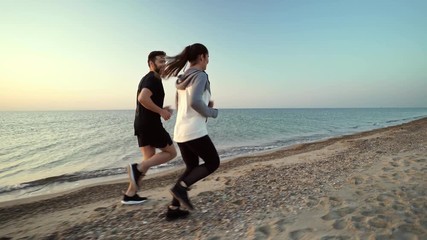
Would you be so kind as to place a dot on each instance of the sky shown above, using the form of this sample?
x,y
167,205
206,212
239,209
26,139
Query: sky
x,y
91,54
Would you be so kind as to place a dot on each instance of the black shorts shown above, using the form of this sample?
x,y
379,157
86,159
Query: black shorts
x,y
154,136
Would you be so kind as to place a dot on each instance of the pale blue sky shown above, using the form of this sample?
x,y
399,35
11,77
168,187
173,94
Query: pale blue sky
x,y
87,54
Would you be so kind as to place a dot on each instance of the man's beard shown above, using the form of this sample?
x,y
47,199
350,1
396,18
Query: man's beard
x,y
157,69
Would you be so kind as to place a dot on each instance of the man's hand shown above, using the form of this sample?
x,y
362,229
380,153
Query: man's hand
x,y
211,104
169,109
166,113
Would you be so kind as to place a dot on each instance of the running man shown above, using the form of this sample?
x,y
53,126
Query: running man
x,y
148,127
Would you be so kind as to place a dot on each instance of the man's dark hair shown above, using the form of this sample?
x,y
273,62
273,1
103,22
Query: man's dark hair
x,y
152,56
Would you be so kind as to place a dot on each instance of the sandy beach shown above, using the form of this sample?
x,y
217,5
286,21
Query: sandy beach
x,y
370,185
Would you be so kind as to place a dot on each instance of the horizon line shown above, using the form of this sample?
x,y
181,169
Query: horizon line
x,y
225,108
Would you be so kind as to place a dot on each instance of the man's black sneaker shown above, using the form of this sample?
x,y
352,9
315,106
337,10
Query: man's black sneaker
x,y
134,174
173,214
135,199
180,193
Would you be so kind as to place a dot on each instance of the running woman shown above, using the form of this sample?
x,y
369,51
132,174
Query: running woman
x,y
194,107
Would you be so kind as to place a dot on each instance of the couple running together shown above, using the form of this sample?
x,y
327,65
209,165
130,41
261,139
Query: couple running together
x,y
193,109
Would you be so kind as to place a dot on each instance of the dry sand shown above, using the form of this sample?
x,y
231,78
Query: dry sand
x,y
370,185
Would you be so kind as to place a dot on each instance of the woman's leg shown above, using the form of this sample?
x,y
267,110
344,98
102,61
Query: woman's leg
x,y
191,161
203,148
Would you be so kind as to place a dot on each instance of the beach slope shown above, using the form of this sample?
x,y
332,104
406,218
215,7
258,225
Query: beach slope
x,y
370,185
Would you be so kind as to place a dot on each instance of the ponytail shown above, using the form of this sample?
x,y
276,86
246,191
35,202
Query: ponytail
x,y
178,62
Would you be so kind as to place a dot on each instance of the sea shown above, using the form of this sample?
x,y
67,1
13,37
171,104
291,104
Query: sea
x,y
53,151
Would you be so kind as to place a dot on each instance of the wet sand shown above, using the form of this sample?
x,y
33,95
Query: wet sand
x,y
371,185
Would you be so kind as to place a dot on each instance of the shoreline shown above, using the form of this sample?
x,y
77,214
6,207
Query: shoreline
x,y
76,180
265,194
51,191
116,179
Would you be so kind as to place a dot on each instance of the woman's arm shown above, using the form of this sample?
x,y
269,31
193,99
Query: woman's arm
x,y
196,101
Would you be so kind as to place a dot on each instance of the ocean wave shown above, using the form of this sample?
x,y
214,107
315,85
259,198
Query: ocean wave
x,y
393,121
83,175
80,145
11,188
63,178
77,176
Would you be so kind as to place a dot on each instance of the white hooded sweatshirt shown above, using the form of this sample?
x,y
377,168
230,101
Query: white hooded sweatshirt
x,y
193,96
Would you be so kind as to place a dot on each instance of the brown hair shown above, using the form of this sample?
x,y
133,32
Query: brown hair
x,y
189,54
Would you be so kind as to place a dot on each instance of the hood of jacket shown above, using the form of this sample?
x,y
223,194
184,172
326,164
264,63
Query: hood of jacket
x,y
184,79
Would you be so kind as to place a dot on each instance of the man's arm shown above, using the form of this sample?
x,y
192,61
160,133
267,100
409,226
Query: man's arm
x,y
144,98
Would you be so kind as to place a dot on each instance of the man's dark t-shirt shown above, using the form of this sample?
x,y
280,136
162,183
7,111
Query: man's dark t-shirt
x,y
144,118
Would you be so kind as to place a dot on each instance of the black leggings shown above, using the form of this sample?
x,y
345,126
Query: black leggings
x,y
190,153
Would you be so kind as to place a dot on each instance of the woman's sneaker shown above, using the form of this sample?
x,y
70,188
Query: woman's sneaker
x,y
135,199
173,214
134,174
180,193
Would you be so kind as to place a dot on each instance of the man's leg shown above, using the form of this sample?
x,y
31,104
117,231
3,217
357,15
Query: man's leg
x,y
147,152
167,153
151,159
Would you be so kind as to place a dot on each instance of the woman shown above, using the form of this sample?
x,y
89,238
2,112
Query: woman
x,y
193,109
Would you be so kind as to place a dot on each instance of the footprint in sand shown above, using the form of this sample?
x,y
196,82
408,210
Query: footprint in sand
x,y
227,181
386,198
387,169
414,191
102,211
336,238
359,222
408,231
385,176
418,207
398,207
312,201
340,224
214,238
330,202
338,213
397,176
360,193
383,237
358,218
357,180
407,163
299,234
263,232
205,194
280,224
395,164
379,221
372,212
360,226
335,201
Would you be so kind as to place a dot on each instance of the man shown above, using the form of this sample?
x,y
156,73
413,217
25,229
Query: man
x,y
148,127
